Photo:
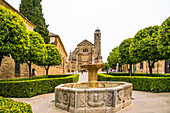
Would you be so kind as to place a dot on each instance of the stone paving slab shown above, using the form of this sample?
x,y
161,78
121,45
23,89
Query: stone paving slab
x,y
147,102
142,102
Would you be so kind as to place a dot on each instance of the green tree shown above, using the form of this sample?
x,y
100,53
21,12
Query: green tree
x,y
26,8
113,58
106,66
13,34
52,57
144,46
164,39
32,9
124,54
36,50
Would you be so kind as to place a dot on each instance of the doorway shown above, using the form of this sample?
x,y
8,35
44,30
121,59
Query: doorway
x,y
167,66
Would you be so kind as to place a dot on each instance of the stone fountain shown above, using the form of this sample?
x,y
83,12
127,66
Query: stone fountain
x,y
93,96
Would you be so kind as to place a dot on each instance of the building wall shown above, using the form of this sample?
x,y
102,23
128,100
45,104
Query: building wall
x,y
159,67
55,39
80,57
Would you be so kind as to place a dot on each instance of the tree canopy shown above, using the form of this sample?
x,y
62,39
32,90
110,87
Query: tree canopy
x,y
26,8
144,46
106,66
32,9
36,48
52,57
113,58
36,52
13,34
124,53
164,39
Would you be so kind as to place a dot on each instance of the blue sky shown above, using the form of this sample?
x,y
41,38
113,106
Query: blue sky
x,y
76,20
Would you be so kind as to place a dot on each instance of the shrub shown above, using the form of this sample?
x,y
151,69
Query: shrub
x,y
57,76
138,74
21,79
10,106
156,84
29,88
38,77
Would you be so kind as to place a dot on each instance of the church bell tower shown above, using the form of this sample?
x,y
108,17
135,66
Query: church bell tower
x,y
97,46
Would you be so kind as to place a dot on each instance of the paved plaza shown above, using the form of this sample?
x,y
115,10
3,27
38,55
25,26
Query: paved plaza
x,y
142,102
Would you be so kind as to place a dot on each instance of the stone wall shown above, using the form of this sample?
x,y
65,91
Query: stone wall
x,y
7,69
159,67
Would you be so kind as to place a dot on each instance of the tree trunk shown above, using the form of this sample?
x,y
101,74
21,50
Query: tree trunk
x,y
157,67
150,67
150,70
29,65
47,73
1,57
130,69
0,60
30,74
46,68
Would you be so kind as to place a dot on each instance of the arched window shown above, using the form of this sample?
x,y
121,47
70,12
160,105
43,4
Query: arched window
x,y
85,50
97,35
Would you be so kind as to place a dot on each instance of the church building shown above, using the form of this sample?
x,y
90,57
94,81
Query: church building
x,y
86,53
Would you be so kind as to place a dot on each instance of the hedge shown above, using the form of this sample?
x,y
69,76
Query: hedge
x,y
156,84
138,74
8,105
29,88
38,77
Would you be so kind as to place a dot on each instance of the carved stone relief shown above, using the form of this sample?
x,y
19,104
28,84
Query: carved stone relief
x,y
65,98
59,96
95,99
72,99
119,97
110,96
81,100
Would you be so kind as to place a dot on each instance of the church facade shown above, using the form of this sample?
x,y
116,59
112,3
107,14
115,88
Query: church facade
x,y
86,53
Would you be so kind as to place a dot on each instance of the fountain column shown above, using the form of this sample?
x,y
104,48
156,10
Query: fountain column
x,y
92,73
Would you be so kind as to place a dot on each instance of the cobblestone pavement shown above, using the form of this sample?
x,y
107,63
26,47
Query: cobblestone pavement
x,y
142,102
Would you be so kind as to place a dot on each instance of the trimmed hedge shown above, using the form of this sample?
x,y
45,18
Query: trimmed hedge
x,y
138,74
29,88
8,105
57,76
38,77
156,84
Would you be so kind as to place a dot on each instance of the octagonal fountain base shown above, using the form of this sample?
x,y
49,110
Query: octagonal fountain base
x,y
104,97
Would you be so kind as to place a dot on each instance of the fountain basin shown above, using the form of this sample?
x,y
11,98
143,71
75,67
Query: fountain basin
x,y
103,97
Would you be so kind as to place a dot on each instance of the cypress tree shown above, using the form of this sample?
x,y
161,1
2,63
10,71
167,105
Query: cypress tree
x,y
26,8
32,9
